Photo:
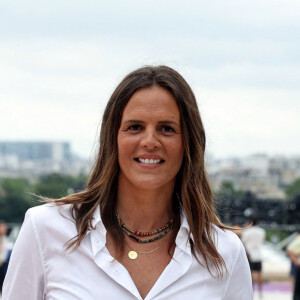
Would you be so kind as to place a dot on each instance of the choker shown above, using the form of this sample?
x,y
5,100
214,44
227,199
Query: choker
x,y
149,240
147,233
132,234
133,254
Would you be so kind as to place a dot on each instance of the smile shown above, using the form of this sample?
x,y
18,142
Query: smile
x,y
149,161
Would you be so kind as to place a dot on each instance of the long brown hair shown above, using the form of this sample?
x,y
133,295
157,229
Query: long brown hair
x,y
192,187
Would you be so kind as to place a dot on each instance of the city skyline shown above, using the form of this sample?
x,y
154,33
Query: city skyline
x,y
208,154
264,176
60,61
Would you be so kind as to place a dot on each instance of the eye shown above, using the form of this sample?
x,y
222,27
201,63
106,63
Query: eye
x,y
135,127
167,129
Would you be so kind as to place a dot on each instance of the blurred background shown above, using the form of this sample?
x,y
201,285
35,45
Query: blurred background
x,y
61,60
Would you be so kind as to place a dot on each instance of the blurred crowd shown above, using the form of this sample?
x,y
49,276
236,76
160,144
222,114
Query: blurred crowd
x,y
253,237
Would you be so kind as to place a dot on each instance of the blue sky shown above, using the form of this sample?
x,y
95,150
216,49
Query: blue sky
x,y
61,60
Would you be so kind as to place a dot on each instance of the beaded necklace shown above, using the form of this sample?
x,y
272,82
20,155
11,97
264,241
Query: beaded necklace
x,y
149,240
147,233
133,254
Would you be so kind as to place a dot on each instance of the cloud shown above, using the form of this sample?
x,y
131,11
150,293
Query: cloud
x,y
230,18
243,121
61,60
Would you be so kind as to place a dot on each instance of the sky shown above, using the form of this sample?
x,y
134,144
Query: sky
x,y
61,60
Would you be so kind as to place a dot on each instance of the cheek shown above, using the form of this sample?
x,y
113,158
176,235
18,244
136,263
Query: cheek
x,y
125,146
176,150
121,148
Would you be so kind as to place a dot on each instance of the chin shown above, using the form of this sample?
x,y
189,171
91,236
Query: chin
x,y
153,184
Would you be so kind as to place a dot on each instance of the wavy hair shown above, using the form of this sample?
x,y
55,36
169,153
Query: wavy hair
x,y
192,187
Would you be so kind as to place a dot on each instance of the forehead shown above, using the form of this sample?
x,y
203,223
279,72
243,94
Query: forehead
x,y
154,101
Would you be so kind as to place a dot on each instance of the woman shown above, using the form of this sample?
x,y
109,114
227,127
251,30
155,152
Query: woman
x,y
145,226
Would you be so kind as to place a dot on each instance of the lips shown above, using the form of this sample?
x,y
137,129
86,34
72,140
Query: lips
x,y
149,159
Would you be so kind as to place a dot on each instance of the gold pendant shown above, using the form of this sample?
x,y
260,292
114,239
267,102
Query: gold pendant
x,y
132,254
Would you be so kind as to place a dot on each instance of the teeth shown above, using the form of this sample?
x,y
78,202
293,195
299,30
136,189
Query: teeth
x,y
149,161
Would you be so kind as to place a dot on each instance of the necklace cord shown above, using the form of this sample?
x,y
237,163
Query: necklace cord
x,y
148,240
142,252
140,233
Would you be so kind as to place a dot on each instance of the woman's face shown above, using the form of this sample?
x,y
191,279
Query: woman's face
x,y
150,147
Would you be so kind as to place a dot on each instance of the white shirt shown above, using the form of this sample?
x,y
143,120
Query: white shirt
x,y
253,239
40,269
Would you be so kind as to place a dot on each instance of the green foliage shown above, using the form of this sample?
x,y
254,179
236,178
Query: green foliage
x,y
293,189
16,193
227,190
57,185
276,235
15,199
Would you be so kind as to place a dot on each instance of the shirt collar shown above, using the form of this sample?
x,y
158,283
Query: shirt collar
x,y
182,239
96,217
183,220
98,233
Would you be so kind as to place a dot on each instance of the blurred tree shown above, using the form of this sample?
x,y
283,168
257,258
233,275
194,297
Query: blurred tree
x,y
15,199
228,202
293,189
58,185
227,189
16,193
80,182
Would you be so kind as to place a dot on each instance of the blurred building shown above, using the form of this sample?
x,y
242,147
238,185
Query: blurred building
x,y
264,176
23,158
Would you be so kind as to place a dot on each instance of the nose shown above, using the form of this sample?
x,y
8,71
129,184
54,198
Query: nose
x,y
150,139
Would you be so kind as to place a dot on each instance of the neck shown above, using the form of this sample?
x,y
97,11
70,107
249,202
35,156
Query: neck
x,y
144,210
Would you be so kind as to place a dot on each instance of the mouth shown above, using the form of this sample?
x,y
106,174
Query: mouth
x,y
150,161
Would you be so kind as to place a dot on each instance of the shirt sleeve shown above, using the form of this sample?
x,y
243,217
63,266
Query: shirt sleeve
x,y
25,274
239,284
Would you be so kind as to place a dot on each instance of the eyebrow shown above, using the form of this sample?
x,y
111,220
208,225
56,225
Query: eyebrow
x,y
133,121
168,122
160,122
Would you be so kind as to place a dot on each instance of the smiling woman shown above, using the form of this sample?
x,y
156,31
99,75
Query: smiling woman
x,y
145,227
150,147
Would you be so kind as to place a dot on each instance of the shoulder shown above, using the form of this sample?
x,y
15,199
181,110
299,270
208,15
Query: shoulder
x,y
258,229
47,210
226,239
253,231
49,213
295,244
228,245
50,219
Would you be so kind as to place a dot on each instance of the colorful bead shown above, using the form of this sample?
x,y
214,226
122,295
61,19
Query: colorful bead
x,y
149,240
149,233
